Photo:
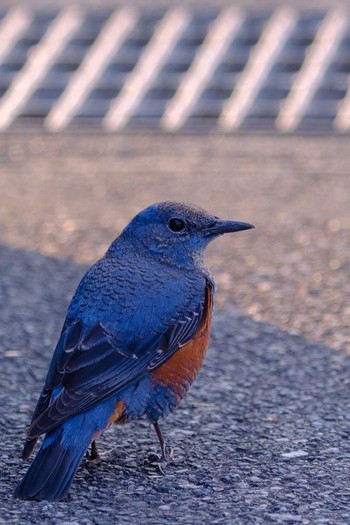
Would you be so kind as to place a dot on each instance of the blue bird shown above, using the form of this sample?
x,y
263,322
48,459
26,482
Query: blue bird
x,y
133,341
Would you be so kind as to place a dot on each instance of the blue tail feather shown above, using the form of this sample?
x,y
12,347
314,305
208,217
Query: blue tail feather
x,y
51,473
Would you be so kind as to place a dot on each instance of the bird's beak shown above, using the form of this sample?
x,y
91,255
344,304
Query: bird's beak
x,y
221,226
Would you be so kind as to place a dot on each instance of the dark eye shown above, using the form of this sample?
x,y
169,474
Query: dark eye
x,y
176,225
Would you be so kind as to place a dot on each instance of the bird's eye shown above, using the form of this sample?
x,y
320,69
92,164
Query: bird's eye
x,y
176,225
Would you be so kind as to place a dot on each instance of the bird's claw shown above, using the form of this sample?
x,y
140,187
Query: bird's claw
x,y
94,459
168,454
161,461
92,463
156,460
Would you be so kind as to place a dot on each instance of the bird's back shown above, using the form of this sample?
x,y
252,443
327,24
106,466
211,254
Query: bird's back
x,y
135,297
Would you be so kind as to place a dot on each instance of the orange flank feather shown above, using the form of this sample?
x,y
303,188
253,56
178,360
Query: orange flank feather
x,y
117,414
179,372
116,417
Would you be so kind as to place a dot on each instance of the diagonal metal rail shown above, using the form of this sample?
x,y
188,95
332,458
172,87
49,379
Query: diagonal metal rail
x,y
317,60
37,65
12,27
164,39
261,60
111,37
221,33
342,120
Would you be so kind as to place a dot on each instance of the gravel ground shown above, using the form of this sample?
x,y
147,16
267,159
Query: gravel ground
x,y
264,435
262,438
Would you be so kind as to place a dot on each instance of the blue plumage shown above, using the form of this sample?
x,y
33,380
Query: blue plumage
x,y
132,313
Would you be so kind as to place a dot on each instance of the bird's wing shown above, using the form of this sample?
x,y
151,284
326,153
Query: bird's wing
x,y
92,368
67,342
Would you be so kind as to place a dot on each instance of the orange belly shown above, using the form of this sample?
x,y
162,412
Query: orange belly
x,y
179,372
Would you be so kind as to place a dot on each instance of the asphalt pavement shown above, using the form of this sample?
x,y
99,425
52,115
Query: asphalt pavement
x,y
263,437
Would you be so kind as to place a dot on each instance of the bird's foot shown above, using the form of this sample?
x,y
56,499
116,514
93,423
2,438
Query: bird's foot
x,y
167,456
90,462
105,457
161,461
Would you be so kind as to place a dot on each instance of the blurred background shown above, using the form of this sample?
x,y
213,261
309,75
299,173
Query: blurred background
x,y
240,107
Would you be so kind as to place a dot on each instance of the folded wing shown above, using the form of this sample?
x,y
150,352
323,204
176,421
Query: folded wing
x,y
90,366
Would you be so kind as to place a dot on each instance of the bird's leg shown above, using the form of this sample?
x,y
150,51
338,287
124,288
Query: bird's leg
x,y
93,458
94,452
167,452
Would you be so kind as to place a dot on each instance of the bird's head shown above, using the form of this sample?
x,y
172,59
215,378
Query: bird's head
x,y
177,232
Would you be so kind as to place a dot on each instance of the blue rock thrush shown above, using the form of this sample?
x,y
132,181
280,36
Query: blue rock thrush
x,y
133,341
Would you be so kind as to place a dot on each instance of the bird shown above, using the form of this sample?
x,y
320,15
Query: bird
x,y
134,338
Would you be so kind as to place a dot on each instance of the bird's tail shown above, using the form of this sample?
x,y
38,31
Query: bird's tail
x,y
52,471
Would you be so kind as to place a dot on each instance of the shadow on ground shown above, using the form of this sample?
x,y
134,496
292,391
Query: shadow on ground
x,y
262,438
